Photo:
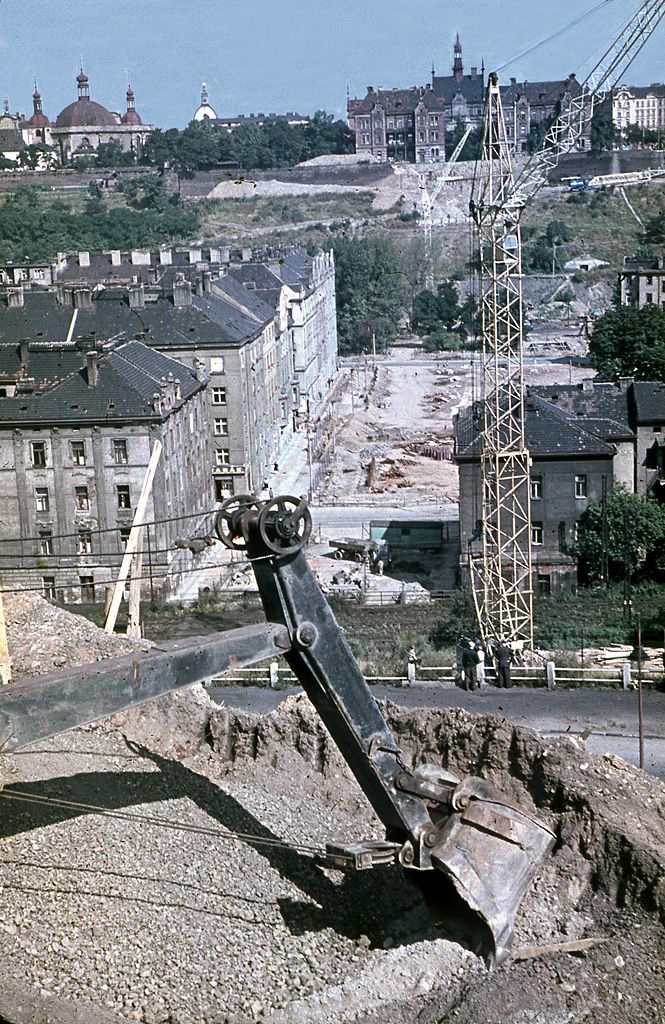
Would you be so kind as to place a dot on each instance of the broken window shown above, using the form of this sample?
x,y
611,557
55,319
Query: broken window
x,y
38,454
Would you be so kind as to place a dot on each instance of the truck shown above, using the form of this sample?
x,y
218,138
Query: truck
x,y
359,549
474,849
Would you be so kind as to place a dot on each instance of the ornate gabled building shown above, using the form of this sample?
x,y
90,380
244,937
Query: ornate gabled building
x,y
527,104
84,125
399,124
463,95
642,106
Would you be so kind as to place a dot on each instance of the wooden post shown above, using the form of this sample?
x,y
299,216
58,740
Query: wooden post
x,y
5,663
640,701
134,613
550,669
133,539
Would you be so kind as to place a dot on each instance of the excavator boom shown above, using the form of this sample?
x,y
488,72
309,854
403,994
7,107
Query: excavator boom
x,y
486,847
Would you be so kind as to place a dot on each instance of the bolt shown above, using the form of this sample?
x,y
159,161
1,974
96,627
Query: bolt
x,y
407,855
307,635
402,780
430,839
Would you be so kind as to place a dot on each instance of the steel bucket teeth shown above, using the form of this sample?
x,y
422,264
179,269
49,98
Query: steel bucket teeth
x,y
490,852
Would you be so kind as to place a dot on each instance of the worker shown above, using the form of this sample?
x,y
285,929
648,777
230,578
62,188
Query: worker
x,y
469,663
480,665
379,566
412,663
504,658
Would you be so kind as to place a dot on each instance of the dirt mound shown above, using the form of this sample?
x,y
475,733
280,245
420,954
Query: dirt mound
x,y
160,925
43,637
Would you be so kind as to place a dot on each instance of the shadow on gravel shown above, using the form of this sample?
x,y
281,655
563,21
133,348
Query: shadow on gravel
x,y
382,904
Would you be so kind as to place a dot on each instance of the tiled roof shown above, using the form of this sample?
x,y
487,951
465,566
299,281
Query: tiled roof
x,y
399,101
127,379
254,304
550,433
447,86
649,397
541,93
601,400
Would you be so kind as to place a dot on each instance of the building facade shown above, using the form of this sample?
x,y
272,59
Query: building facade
x,y
642,283
463,95
399,124
265,333
74,457
640,106
529,104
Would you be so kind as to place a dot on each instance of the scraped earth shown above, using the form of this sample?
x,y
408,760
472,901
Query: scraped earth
x,y
127,919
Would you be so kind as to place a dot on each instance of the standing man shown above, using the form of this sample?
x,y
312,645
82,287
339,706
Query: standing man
x,y
504,658
469,665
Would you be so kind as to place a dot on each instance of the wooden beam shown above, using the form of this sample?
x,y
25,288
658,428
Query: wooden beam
x,y
134,613
133,539
5,663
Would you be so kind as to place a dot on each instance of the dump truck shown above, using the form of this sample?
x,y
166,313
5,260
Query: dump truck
x,y
358,549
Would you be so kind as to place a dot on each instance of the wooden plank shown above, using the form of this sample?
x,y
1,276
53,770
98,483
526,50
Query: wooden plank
x,y
573,946
134,613
133,539
5,662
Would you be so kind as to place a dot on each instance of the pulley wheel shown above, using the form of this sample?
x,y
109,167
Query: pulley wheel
x,y
285,524
227,522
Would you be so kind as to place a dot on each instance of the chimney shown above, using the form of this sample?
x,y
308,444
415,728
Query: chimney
x,y
177,389
194,255
165,257
199,284
140,257
92,368
157,402
82,298
15,298
199,369
136,296
215,255
370,89
206,278
182,293
116,258
587,384
224,254
474,72
24,350
513,81
84,259
245,254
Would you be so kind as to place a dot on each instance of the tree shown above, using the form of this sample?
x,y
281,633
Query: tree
x,y
111,154
604,134
635,537
372,292
654,230
35,156
629,342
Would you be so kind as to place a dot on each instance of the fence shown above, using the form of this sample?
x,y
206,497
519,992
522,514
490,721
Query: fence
x,y
548,675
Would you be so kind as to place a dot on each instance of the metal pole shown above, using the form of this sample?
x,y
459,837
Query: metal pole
x,y
640,703
582,648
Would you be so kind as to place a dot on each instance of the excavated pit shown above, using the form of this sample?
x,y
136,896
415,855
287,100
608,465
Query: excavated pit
x,y
136,922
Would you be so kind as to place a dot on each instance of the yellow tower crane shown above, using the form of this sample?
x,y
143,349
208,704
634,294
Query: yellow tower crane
x,y
500,560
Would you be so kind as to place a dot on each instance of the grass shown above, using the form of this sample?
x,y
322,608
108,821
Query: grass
x,y
235,216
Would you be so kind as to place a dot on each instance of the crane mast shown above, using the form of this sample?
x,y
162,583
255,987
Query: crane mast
x,y
500,557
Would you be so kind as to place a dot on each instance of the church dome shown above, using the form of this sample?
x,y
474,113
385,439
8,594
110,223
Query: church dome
x,y
131,116
84,112
204,112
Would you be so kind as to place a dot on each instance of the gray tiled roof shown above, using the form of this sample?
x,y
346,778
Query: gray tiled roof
x,y
541,93
396,101
447,86
649,397
550,433
127,379
255,305
603,400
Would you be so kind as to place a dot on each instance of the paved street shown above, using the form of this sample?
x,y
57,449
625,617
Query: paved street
x,y
611,715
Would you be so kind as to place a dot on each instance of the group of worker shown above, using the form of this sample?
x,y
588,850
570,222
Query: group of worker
x,y
473,660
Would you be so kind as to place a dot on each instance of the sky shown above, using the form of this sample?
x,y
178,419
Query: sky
x,y
279,55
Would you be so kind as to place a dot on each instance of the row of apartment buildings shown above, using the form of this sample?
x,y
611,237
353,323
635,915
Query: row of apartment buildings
x,y
226,360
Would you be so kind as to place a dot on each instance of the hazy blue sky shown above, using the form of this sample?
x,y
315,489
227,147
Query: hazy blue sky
x,y
289,55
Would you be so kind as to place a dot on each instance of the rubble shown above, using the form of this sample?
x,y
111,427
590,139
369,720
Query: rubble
x,y
43,637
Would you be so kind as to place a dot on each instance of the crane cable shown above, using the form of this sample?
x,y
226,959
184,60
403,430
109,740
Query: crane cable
x,y
166,823
554,35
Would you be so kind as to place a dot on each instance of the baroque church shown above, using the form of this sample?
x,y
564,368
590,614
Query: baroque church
x,y
77,130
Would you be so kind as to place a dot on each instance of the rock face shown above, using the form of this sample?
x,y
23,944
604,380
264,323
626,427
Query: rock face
x,y
159,916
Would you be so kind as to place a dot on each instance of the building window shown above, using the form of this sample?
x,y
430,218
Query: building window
x,y
536,488
544,581
87,588
84,543
221,428
38,454
41,496
219,396
576,531
81,499
580,485
223,487
124,536
48,587
45,542
536,533
120,452
78,453
124,500
222,457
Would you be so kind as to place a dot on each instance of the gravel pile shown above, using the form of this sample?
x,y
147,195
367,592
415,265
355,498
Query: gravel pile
x,y
161,926
43,637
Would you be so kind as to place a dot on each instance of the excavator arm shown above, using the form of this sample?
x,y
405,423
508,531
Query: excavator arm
x,y
486,847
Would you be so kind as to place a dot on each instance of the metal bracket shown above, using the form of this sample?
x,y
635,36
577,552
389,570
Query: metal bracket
x,y
360,856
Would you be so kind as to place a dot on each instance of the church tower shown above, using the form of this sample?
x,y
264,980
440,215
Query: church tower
x,y
458,66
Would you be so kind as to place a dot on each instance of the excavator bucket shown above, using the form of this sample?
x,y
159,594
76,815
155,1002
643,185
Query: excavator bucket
x,y
490,852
